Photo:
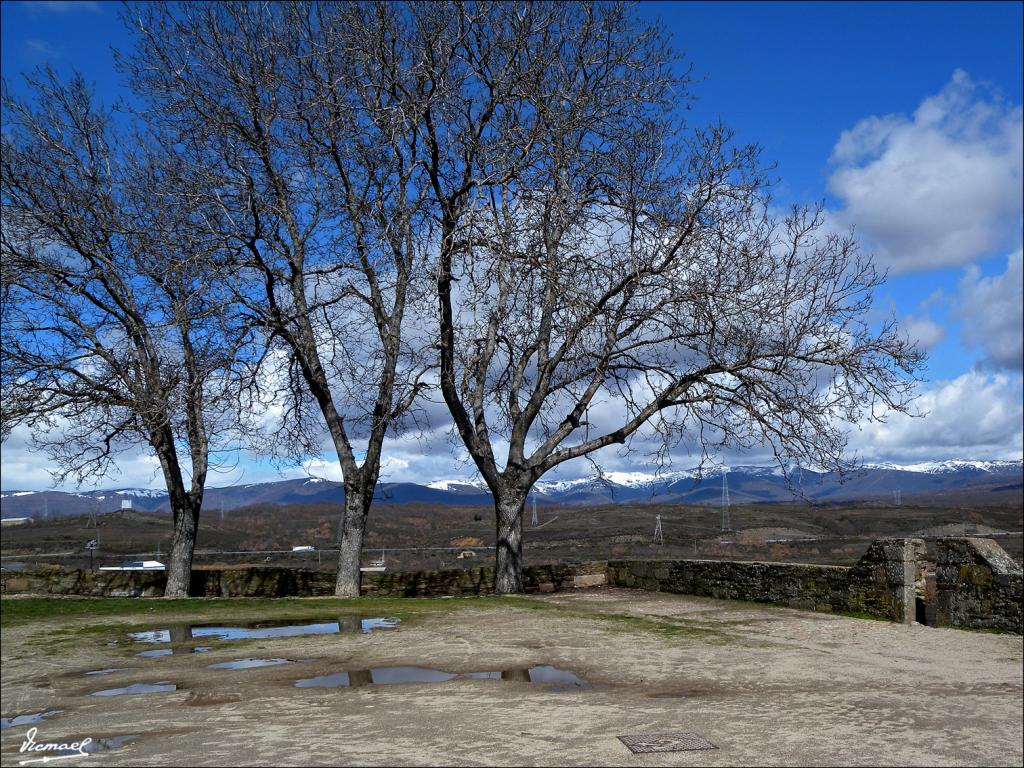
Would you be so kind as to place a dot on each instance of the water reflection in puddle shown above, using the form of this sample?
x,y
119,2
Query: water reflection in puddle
x,y
202,649
139,688
152,636
152,654
263,630
562,679
32,719
110,670
552,677
249,663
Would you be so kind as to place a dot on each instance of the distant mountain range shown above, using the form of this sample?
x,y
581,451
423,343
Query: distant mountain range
x,y
747,485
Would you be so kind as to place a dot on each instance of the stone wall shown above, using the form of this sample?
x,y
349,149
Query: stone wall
x,y
880,584
59,581
293,582
240,582
978,586
886,579
480,581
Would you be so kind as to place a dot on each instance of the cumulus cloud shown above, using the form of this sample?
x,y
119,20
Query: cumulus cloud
x,y
977,415
27,469
992,310
939,188
924,331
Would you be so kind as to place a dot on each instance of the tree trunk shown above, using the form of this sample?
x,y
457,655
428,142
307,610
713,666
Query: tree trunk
x,y
508,570
351,529
183,545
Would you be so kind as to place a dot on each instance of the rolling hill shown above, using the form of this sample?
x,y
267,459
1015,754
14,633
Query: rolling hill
x,y
997,482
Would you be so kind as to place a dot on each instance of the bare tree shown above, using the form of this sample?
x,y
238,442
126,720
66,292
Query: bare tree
x,y
600,271
596,270
305,148
114,333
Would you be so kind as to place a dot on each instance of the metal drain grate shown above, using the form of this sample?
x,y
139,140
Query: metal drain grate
x,y
665,742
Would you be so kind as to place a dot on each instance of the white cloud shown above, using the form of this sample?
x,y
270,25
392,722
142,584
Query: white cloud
x,y
39,50
992,309
939,188
324,469
923,330
977,415
26,469
65,6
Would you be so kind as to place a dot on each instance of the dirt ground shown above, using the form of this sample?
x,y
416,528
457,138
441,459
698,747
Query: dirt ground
x,y
767,686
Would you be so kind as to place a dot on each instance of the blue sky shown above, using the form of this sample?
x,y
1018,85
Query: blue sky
x,y
903,118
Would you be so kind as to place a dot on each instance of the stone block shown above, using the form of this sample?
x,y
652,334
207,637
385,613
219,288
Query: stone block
x,y
16,584
590,580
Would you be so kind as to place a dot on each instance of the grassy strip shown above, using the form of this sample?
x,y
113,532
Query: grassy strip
x,y
21,611
57,624
54,626
668,628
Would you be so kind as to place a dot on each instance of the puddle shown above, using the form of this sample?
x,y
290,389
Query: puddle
x,y
33,719
249,663
378,676
368,625
263,630
152,636
202,649
110,671
337,680
139,688
552,677
560,679
159,652
97,745
114,742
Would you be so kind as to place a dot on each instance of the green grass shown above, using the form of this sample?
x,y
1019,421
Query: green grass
x,y
56,625
666,628
21,611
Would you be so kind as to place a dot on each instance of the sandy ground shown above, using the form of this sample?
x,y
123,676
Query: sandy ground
x,y
770,687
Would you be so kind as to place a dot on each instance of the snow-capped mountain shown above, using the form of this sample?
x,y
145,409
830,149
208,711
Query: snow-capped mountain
x,y
952,465
747,485
457,485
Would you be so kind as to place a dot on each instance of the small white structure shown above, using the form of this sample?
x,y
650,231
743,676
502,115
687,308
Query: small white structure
x,y
136,565
126,503
304,548
376,566
15,520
